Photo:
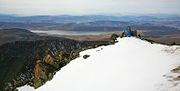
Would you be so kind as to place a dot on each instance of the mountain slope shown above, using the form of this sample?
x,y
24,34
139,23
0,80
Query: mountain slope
x,y
129,65
36,62
16,34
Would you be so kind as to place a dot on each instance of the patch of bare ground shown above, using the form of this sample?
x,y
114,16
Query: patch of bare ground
x,y
167,40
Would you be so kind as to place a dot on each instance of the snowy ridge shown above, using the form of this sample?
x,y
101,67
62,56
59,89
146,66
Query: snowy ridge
x,y
129,65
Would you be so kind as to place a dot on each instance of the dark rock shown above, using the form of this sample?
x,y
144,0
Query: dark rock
x,y
114,38
86,56
174,43
176,70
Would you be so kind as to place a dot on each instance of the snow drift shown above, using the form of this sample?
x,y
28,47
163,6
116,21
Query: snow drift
x,y
129,65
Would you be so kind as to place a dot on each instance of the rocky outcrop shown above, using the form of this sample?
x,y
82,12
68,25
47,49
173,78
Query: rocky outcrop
x,y
36,62
114,37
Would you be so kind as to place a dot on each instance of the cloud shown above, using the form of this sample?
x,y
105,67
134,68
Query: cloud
x,y
81,7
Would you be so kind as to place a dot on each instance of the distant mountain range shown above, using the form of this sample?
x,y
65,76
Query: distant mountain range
x,y
56,19
149,25
80,19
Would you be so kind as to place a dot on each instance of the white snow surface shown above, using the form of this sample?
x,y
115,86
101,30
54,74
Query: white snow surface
x,y
129,65
26,88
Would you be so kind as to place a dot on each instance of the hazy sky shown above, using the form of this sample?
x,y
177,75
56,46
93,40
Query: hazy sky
x,y
85,7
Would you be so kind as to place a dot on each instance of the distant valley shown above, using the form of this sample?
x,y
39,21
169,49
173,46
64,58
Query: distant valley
x,y
149,25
